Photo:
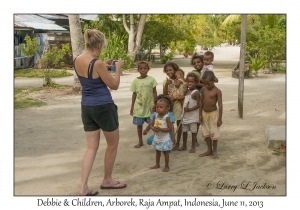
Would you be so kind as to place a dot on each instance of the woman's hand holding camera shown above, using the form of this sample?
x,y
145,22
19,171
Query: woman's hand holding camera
x,y
119,64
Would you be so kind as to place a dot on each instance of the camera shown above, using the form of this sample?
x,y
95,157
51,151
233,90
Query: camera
x,y
113,64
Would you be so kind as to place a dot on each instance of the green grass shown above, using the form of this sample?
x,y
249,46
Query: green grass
x,y
28,102
22,100
38,73
19,90
276,153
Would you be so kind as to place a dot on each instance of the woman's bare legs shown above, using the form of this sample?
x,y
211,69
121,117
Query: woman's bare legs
x,y
112,139
93,138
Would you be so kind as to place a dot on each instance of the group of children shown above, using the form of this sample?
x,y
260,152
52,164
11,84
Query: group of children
x,y
188,101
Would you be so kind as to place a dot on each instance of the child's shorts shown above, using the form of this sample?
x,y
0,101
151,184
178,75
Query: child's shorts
x,y
209,127
190,127
140,121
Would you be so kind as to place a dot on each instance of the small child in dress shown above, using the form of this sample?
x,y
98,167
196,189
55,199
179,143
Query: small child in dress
x,y
210,115
190,113
143,95
162,125
150,138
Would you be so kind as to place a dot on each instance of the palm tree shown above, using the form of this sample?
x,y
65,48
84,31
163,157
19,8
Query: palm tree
x,y
255,22
76,43
215,22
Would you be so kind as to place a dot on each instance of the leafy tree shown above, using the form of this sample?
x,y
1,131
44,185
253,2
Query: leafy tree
x,y
269,45
135,32
164,31
116,48
118,25
31,46
160,33
107,24
53,58
266,37
207,30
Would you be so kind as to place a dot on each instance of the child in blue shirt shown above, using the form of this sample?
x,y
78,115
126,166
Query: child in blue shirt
x,y
172,119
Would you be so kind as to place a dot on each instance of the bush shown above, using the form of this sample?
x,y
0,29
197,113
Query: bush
x,y
256,64
53,57
167,58
31,46
116,49
269,45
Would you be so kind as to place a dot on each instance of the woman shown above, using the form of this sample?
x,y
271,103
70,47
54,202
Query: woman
x,y
98,111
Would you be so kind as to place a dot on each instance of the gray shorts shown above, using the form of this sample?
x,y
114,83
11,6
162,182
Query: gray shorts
x,y
190,127
104,117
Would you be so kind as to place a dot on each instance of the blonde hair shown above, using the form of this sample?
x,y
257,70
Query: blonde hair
x,y
93,37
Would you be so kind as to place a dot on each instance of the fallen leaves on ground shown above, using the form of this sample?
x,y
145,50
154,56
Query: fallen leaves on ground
x,y
280,150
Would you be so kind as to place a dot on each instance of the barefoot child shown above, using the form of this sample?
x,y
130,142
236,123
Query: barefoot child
x,y
190,118
176,95
150,138
210,115
144,93
162,125
198,63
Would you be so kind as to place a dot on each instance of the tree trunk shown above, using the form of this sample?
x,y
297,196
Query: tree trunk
x,y
242,66
76,43
135,36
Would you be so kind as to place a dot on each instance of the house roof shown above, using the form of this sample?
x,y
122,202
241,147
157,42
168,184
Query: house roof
x,y
65,16
54,16
89,16
36,22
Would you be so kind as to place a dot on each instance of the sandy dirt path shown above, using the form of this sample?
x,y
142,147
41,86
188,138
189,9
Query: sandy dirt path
x,y
49,144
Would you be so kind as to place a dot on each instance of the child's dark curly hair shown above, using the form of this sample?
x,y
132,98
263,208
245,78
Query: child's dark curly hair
x,y
166,99
195,75
143,62
195,56
172,64
209,75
